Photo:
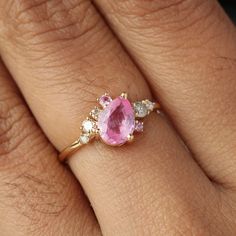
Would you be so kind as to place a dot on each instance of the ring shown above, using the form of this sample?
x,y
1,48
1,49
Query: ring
x,y
114,122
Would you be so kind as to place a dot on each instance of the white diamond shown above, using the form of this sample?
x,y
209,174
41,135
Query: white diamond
x,y
88,126
84,139
150,105
95,112
140,109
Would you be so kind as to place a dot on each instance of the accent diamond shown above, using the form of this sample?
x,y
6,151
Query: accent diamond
x,y
150,105
104,100
140,109
95,112
88,126
138,126
84,139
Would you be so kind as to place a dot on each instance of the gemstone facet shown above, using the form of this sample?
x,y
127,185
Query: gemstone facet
x,y
116,122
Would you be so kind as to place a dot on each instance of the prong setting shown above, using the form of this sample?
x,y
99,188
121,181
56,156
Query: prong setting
x,y
130,138
124,95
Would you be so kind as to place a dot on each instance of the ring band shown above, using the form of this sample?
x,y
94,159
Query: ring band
x,y
114,121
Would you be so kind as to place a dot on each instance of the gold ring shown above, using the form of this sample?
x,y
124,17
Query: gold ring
x,y
114,121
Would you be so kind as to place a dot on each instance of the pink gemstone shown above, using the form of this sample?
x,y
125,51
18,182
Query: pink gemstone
x,y
104,100
139,126
116,122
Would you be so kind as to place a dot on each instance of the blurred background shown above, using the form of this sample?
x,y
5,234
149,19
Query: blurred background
x,y
230,8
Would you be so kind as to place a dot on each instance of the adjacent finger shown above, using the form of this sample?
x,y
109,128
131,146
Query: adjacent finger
x,y
67,57
187,51
37,195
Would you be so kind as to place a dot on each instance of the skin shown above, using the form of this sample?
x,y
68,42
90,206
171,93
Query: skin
x,y
177,178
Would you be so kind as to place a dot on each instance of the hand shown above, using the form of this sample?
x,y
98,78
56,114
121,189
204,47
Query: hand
x,y
62,55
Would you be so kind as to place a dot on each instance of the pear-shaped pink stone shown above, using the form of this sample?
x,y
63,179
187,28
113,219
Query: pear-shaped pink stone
x,y
116,122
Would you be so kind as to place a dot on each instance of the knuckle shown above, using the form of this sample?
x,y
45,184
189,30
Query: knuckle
x,y
28,194
44,21
171,15
35,197
28,188
141,7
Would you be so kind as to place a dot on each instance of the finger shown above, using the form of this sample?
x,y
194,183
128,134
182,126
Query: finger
x,y
187,51
62,72
37,195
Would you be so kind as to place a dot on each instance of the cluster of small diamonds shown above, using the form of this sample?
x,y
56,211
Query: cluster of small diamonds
x,y
89,126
